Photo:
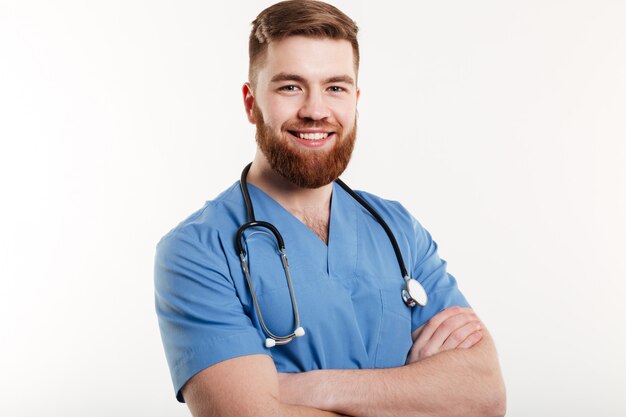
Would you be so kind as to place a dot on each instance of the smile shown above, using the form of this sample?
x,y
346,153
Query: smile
x,y
311,136
313,140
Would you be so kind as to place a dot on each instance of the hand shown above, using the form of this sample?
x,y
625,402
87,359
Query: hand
x,y
453,328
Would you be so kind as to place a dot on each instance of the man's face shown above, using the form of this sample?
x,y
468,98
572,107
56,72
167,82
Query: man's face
x,y
305,109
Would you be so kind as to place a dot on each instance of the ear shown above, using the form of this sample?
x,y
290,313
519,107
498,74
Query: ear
x,y
248,102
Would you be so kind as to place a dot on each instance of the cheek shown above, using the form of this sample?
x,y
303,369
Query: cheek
x,y
344,112
277,113
347,118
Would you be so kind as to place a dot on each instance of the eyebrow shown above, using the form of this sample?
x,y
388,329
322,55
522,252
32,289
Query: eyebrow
x,y
297,78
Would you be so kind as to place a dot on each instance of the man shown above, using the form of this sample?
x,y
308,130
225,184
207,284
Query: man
x,y
364,352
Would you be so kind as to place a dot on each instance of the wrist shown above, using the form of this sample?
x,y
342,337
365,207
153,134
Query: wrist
x,y
325,389
317,389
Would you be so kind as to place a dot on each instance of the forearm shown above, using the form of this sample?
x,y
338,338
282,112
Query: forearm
x,y
245,386
286,410
461,382
264,407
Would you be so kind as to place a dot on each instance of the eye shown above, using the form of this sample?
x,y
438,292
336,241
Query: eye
x,y
289,88
336,89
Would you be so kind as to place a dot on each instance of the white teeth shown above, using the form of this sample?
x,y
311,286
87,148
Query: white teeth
x,y
313,136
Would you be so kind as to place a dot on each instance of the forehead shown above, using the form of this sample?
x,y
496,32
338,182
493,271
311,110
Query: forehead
x,y
311,58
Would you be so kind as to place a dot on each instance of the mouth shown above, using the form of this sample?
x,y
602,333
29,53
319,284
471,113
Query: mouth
x,y
312,139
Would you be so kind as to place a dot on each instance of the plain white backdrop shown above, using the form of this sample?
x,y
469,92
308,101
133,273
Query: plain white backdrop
x,y
500,125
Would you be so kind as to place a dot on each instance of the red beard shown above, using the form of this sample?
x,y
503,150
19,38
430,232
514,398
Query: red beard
x,y
305,169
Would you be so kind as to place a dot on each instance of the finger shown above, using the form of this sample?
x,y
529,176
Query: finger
x,y
460,334
431,325
412,356
464,337
447,328
416,354
471,340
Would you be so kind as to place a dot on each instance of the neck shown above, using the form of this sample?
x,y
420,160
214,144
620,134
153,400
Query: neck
x,y
299,201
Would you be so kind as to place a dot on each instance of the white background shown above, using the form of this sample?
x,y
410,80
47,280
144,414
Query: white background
x,y
499,124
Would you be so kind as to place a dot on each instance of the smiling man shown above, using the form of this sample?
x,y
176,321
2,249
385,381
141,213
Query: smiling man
x,y
340,328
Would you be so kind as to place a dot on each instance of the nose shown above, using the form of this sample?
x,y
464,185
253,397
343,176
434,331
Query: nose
x,y
314,107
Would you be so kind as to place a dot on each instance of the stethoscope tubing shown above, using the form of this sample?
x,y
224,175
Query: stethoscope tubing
x,y
381,221
412,286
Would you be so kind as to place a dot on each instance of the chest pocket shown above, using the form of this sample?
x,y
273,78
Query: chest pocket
x,y
378,269
394,341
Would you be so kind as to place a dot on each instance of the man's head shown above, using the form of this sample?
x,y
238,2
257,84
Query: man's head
x,y
302,92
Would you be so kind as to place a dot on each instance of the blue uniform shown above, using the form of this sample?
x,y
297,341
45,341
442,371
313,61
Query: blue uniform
x,y
348,292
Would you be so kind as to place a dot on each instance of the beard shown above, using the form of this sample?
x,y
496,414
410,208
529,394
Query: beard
x,y
304,168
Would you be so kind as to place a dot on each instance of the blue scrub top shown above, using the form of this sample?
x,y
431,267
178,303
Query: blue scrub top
x,y
348,293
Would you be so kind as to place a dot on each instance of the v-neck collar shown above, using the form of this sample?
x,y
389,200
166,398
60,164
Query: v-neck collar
x,y
338,257
343,235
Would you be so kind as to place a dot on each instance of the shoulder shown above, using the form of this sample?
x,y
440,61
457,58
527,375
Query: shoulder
x,y
392,211
215,215
202,230
407,230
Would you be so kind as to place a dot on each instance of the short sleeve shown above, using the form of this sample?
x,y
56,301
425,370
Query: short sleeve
x,y
430,271
201,318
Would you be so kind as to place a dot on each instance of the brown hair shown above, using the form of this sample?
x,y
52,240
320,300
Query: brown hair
x,y
310,18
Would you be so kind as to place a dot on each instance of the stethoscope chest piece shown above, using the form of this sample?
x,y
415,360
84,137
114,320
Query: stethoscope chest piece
x,y
413,293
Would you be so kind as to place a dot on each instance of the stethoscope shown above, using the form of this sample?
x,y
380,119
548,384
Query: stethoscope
x,y
413,292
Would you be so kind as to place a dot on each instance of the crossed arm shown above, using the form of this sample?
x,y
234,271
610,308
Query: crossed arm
x,y
241,387
451,370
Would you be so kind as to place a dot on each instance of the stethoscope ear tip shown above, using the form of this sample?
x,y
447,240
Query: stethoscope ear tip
x,y
270,343
299,331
